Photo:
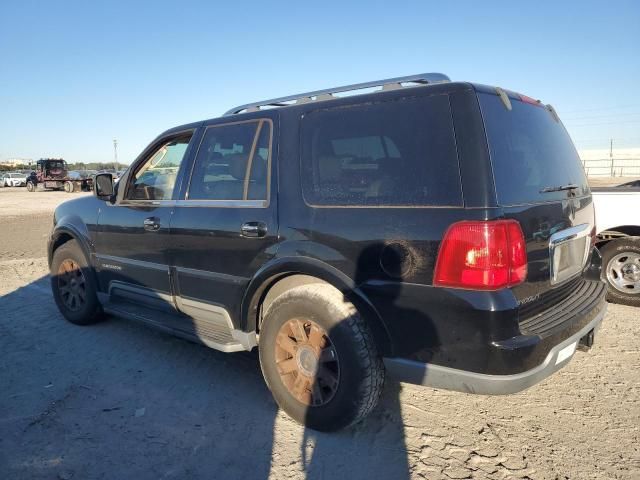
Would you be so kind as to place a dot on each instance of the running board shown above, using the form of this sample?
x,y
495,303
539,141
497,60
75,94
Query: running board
x,y
212,334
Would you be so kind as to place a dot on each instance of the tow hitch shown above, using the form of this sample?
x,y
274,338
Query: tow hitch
x,y
586,342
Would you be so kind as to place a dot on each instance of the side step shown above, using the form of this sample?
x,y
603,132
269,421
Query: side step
x,y
212,334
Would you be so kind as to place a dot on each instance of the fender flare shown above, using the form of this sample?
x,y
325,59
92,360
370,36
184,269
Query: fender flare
x,y
71,230
282,267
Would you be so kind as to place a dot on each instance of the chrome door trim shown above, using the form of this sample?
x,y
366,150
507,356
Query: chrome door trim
x,y
223,203
128,261
223,277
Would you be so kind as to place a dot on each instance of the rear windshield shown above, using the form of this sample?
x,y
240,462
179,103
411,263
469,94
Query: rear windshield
x,y
530,152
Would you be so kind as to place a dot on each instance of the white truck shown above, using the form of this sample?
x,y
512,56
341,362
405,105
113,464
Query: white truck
x,y
618,239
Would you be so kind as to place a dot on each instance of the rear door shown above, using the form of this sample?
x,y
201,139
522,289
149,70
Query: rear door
x,y
540,182
225,226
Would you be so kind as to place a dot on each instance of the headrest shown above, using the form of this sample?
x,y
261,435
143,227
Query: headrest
x,y
330,168
237,165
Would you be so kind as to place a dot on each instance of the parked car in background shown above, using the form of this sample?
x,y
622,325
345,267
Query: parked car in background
x,y
13,179
631,184
393,232
618,223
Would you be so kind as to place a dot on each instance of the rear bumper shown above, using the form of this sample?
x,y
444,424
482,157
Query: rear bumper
x,y
427,374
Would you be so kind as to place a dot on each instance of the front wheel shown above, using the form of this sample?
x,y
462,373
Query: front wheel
x,y
31,187
621,261
319,358
73,285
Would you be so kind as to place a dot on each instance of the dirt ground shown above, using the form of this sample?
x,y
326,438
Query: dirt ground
x,y
118,400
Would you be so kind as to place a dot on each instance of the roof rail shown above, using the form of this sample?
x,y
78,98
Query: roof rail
x,y
328,94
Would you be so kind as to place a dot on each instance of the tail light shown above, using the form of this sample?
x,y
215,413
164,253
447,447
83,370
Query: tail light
x,y
482,255
531,101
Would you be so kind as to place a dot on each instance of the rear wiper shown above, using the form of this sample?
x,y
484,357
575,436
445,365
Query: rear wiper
x,y
570,186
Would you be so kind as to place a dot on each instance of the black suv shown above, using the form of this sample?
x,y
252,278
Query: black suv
x,y
441,232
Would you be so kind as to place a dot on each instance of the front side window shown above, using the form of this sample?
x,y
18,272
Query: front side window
x,y
393,153
155,178
233,163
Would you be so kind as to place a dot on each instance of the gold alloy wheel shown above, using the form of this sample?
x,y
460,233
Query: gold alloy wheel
x,y
72,285
307,362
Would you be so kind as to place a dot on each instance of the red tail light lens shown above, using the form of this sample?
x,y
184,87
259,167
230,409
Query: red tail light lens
x,y
485,255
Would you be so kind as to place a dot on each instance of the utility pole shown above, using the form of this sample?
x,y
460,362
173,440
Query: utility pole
x,y
115,153
611,156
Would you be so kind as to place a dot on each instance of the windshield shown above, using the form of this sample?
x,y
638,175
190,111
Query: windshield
x,y
530,152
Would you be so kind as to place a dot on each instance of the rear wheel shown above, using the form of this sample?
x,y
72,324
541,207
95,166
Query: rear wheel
x,y
68,187
319,358
621,261
73,285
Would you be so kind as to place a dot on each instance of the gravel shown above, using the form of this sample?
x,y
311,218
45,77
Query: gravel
x,y
119,400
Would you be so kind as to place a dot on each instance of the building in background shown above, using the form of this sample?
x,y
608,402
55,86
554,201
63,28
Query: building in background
x,y
14,162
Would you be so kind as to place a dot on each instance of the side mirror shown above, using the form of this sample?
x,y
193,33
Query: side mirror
x,y
103,186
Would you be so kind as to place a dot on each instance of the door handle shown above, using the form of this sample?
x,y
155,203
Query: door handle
x,y
151,224
253,229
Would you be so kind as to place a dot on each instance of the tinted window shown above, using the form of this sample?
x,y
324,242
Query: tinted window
x,y
390,153
155,178
530,151
232,163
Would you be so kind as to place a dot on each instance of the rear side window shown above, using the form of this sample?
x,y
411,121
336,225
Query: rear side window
x,y
530,152
396,153
232,162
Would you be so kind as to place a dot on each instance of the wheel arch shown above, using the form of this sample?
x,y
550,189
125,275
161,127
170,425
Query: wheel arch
x,y
283,274
615,233
65,233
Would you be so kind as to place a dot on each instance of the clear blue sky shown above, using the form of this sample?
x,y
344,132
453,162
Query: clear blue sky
x,y
76,74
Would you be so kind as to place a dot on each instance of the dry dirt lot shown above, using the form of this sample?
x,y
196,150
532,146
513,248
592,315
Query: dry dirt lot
x,y
118,400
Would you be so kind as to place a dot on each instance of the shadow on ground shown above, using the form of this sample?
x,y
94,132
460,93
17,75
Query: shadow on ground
x,y
120,400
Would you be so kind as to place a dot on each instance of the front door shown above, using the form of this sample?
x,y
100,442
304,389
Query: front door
x,y
131,246
226,226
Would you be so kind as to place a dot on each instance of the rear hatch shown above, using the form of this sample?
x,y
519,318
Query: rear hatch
x,y
540,182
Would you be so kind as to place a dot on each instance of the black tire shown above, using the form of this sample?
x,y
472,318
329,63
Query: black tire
x,y
31,187
625,251
68,187
88,310
361,371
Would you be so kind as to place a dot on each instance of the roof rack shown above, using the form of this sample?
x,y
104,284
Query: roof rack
x,y
329,93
